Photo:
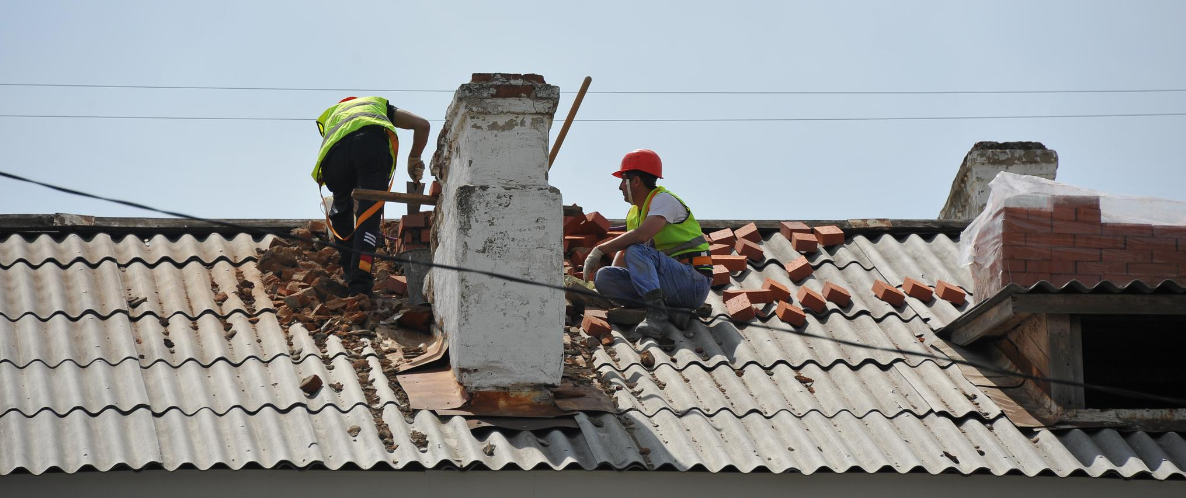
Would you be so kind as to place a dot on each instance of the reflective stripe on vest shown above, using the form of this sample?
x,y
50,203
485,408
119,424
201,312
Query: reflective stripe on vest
x,y
674,238
340,120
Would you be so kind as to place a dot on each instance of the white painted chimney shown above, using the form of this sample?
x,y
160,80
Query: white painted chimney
x,y
497,213
969,190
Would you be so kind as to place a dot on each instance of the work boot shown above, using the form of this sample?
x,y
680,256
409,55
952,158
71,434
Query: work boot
x,y
680,318
626,317
657,317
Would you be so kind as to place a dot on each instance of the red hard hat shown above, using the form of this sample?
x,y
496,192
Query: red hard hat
x,y
644,160
346,99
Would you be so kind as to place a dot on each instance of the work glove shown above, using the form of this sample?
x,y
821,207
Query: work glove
x,y
592,262
415,169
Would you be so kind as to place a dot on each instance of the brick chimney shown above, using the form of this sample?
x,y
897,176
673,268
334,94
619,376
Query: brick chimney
x,y
969,190
496,212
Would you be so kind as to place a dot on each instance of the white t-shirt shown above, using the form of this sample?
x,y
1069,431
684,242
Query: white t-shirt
x,y
665,205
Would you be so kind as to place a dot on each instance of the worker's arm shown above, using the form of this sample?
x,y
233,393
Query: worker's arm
x,y
644,233
419,126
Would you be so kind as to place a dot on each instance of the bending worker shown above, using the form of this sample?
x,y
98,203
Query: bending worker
x,y
662,260
358,150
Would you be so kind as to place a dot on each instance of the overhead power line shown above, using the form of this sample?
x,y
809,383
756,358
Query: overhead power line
x,y
642,120
511,278
607,92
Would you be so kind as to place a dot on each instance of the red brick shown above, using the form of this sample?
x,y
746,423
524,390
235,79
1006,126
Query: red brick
x,y
789,227
579,255
581,240
396,284
595,324
748,232
1169,270
917,290
573,224
1178,232
829,235
1038,214
417,220
1049,267
1076,201
733,263
791,314
799,269
760,296
426,236
951,293
888,293
1088,215
803,242
1175,257
1100,267
1099,241
720,275
1063,213
596,224
781,292
1050,239
435,189
811,300
1150,243
1126,256
1024,225
837,294
750,250
740,308
1074,254
1076,227
1015,238
1026,252
1060,280
720,249
1127,229
723,236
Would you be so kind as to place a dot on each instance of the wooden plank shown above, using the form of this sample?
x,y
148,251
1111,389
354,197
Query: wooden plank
x,y
994,321
1066,359
360,194
1127,304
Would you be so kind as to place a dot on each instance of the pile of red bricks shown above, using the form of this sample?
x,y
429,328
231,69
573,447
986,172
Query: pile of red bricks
x,y
414,232
1067,241
581,234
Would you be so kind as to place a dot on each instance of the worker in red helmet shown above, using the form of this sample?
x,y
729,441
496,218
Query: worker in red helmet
x,y
662,261
358,150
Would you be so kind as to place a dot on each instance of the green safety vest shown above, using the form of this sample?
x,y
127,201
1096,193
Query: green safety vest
x,y
348,117
675,238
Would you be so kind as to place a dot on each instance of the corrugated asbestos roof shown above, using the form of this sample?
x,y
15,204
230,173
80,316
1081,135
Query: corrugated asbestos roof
x,y
87,381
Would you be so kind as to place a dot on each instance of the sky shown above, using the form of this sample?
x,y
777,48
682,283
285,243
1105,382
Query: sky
x,y
723,170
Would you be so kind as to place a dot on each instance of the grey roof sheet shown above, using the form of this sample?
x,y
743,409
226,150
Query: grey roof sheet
x,y
87,382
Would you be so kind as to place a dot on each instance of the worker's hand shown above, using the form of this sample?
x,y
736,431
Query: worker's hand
x,y
415,169
592,262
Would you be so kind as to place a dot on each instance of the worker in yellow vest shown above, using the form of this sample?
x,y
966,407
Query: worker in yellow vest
x,y
358,150
662,260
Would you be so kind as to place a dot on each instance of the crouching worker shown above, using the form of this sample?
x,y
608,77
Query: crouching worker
x,y
662,261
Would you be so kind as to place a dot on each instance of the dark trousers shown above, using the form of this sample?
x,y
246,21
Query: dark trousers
x,y
361,160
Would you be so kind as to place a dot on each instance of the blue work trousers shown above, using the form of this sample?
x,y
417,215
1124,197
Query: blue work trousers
x,y
648,269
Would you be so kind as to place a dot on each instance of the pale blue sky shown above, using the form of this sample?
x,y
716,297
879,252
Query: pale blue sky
x,y
782,170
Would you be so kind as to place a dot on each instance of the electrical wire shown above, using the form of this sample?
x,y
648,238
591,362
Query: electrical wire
x,y
511,278
606,92
641,120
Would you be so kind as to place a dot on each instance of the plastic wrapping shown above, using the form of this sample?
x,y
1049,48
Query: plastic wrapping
x,y
1034,229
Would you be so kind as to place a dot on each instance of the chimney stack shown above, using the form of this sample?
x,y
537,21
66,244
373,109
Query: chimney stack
x,y
496,212
969,190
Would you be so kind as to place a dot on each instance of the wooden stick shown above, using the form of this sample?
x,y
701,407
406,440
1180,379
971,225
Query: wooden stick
x,y
572,113
361,194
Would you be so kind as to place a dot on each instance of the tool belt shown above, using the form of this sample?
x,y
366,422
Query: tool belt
x,y
700,261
